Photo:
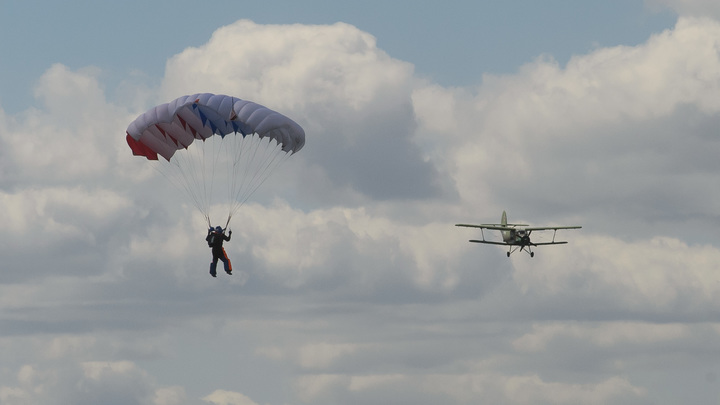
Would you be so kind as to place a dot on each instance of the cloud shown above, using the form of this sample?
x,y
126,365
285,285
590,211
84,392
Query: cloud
x,y
351,283
221,397
622,132
601,335
694,8
462,389
346,247
662,278
351,97
70,137
89,383
310,356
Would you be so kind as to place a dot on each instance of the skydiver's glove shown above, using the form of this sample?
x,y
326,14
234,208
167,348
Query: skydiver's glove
x,y
229,233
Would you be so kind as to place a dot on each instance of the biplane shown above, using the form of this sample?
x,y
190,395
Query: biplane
x,y
517,236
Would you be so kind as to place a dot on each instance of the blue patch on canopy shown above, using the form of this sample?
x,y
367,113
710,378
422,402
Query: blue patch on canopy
x,y
203,118
238,127
214,127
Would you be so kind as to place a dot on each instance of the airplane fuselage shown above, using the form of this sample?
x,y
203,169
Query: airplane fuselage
x,y
518,236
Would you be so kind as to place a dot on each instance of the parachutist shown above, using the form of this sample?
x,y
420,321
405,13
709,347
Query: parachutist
x,y
248,140
215,238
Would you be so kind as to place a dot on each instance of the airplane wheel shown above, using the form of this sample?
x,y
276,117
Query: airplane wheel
x,y
532,254
508,253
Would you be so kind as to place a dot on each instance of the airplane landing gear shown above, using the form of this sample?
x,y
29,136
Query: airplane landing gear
x,y
521,248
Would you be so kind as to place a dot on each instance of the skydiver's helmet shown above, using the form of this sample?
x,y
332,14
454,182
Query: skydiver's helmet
x,y
218,229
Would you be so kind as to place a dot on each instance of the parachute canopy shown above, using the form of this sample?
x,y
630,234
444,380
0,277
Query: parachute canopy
x,y
210,140
169,127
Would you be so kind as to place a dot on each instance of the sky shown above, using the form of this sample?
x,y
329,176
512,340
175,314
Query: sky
x,y
351,283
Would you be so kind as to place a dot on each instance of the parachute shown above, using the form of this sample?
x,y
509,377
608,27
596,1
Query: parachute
x,y
218,149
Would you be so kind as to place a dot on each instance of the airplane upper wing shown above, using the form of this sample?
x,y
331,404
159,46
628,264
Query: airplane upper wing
x,y
551,228
510,227
471,225
488,226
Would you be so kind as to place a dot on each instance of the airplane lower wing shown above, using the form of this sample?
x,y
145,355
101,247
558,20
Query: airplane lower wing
x,y
549,243
488,242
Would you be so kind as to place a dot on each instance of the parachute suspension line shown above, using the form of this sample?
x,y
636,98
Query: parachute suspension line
x,y
186,166
190,163
251,160
239,168
270,161
199,170
263,161
180,178
217,145
192,170
234,152
195,164
251,169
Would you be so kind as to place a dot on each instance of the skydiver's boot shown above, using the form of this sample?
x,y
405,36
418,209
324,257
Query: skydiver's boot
x,y
213,266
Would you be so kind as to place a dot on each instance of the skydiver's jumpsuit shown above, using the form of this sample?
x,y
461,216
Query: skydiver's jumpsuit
x,y
215,241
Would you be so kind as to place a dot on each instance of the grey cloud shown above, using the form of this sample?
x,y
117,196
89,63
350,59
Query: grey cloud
x,y
90,383
365,291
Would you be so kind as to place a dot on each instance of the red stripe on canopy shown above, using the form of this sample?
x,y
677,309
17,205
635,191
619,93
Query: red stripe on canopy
x,y
140,149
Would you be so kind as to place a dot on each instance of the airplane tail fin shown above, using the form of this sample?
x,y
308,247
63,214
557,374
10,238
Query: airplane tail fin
x,y
504,222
